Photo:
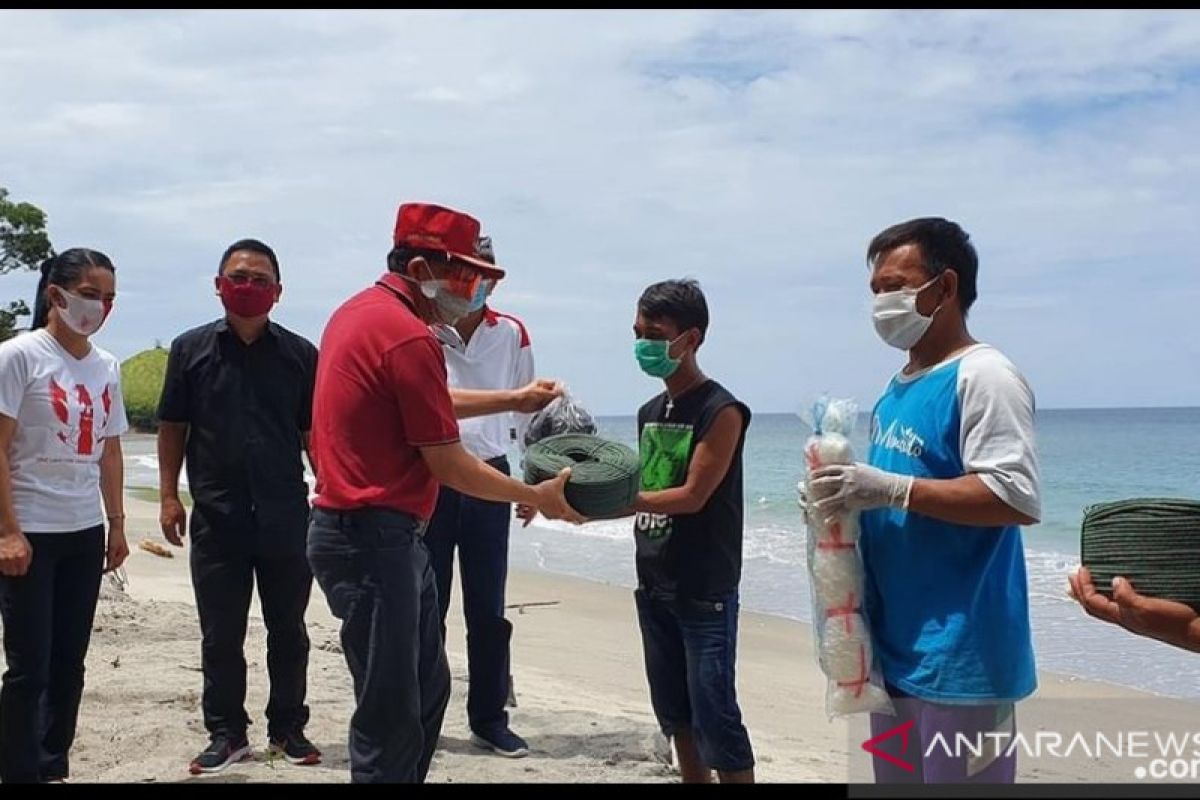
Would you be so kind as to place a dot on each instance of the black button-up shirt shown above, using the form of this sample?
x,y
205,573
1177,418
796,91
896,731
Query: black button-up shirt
x,y
247,408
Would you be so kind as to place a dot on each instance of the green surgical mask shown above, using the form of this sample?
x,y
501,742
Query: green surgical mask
x,y
653,356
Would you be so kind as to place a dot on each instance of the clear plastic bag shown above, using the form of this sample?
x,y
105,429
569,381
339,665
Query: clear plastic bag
x,y
563,415
841,630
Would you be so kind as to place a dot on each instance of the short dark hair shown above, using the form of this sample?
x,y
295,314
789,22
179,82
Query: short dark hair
x,y
398,258
680,301
254,246
943,244
64,270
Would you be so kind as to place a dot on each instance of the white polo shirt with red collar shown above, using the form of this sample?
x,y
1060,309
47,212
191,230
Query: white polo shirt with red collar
x,y
498,356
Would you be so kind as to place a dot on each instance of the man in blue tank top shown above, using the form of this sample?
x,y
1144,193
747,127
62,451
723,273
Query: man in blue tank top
x,y
952,473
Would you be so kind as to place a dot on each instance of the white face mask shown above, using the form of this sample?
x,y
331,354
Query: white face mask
x,y
81,314
450,307
897,320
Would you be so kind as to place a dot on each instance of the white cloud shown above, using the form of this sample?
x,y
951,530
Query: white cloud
x,y
757,151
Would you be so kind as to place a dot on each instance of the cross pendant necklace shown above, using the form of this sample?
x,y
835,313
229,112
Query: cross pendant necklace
x,y
671,400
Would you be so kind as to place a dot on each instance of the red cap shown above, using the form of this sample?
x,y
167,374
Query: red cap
x,y
431,227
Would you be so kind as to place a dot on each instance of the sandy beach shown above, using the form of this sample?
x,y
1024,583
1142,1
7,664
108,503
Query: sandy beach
x,y
582,702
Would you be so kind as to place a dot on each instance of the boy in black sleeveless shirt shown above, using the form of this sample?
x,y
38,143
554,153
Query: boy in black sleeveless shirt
x,y
688,531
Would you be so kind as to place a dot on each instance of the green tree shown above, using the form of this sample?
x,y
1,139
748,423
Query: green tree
x,y
23,245
142,378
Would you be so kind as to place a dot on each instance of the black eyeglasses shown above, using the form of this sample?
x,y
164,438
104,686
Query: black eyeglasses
x,y
261,282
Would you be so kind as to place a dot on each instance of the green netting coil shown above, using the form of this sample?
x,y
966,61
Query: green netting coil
x,y
605,476
1153,542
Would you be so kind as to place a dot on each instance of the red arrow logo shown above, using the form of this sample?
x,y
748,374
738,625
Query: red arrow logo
x,y
870,745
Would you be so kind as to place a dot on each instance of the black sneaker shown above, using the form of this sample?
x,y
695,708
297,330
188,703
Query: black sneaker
x,y
221,752
502,742
296,749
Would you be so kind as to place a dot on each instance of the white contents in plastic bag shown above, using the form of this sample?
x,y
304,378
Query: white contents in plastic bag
x,y
847,659
842,531
837,416
843,635
834,448
846,655
836,575
868,698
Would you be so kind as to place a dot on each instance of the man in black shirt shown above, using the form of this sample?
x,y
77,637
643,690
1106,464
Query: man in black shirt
x,y
238,401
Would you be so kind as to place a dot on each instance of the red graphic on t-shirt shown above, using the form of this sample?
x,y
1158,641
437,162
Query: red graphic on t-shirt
x,y
82,438
58,400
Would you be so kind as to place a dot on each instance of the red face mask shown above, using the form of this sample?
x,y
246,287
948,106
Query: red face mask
x,y
247,300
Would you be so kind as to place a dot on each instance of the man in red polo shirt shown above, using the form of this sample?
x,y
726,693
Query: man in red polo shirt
x,y
384,437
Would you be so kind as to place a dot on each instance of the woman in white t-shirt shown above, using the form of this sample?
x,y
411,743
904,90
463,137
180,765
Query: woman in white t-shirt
x,y
61,417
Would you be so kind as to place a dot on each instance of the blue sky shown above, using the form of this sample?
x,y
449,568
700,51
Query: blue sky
x,y
757,152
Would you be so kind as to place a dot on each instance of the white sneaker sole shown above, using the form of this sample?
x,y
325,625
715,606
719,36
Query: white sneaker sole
x,y
484,744
236,757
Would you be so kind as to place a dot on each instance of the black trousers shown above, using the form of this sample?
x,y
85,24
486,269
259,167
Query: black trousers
x,y
478,530
48,616
225,567
376,575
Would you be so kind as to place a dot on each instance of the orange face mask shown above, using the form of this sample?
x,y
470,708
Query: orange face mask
x,y
462,282
453,293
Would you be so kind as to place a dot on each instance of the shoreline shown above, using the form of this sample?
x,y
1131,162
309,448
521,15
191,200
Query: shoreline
x,y
148,495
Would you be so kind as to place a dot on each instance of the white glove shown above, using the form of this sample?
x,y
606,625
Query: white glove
x,y
802,501
857,487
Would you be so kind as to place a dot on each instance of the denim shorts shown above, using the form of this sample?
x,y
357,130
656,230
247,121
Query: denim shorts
x,y
690,648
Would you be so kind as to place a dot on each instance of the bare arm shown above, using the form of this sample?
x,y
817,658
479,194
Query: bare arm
x,y
172,441
8,514
112,479
482,402
1165,620
453,466
963,501
15,552
706,470
966,500
523,374
112,490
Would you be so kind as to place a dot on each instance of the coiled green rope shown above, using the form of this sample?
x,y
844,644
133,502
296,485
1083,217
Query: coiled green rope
x,y
605,476
1153,542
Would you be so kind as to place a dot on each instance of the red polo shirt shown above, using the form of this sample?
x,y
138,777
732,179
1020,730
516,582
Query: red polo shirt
x,y
380,395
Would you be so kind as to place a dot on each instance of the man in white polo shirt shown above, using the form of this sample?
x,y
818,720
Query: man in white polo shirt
x,y
492,353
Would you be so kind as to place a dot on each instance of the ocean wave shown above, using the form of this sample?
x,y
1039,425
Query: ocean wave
x,y
784,544
612,530
1047,572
